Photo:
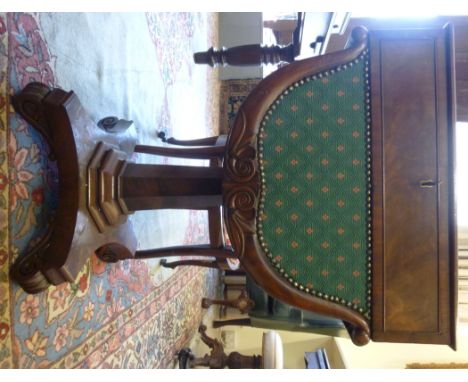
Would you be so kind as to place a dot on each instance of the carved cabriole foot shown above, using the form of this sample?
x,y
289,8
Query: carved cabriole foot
x,y
217,359
236,360
243,303
27,269
185,357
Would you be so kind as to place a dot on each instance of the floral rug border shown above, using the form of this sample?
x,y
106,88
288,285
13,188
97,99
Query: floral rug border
x,y
5,324
109,337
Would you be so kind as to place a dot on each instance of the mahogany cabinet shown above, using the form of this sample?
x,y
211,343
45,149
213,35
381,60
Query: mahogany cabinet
x,y
414,237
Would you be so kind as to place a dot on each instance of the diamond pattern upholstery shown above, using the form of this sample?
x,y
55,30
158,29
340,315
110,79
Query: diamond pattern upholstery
x,y
314,211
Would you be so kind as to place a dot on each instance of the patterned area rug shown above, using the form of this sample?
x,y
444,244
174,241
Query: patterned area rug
x,y
125,315
233,93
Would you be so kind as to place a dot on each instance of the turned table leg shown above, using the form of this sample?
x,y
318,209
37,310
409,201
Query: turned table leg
x,y
217,359
242,302
246,55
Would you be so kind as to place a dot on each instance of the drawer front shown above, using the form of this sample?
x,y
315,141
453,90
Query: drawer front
x,y
412,187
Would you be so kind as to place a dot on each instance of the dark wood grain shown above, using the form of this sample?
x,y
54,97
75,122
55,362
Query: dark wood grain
x,y
147,186
413,218
51,112
459,42
234,321
207,152
246,55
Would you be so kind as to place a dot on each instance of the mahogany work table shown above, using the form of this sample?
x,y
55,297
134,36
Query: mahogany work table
x,y
336,186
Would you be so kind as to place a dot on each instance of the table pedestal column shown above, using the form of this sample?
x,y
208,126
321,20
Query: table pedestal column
x,y
117,187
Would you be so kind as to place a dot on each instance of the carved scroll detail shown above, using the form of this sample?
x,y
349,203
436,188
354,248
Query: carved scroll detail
x,y
113,252
27,269
28,103
241,160
241,205
240,185
242,199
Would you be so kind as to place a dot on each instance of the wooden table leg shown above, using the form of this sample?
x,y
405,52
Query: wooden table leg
x,y
218,359
246,55
242,302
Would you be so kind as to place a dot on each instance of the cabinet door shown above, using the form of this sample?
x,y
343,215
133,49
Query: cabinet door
x,y
413,221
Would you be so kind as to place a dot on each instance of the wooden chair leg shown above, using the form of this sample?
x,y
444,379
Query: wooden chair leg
x,y
209,141
234,321
215,227
113,252
192,262
243,303
203,250
206,152
185,356
217,359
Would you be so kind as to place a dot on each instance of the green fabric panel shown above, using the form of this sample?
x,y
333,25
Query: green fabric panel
x,y
314,218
